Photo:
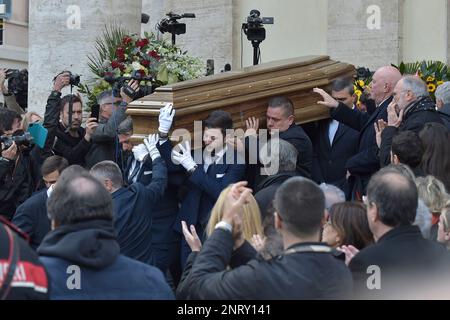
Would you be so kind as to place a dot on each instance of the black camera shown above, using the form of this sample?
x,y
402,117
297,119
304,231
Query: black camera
x,y
24,138
171,25
119,82
18,85
74,79
254,28
363,73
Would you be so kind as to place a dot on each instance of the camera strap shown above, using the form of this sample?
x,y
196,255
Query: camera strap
x,y
70,109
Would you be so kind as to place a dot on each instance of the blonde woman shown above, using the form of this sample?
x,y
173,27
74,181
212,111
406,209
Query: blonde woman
x,y
433,193
252,231
30,117
443,235
251,219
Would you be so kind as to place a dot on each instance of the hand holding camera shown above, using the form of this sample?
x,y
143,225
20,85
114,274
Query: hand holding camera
x,y
91,125
128,91
62,80
10,153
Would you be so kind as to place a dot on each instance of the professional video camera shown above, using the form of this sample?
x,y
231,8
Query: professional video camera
x,y
119,82
254,28
171,24
255,31
24,138
18,85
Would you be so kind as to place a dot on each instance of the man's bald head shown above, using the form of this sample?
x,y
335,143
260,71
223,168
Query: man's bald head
x,y
383,83
79,197
395,196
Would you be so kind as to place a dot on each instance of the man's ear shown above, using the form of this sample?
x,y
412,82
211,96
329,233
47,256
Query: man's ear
x,y
373,213
291,119
108,184
278,223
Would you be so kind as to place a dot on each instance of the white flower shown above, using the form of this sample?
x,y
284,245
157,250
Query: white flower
x,y
137,66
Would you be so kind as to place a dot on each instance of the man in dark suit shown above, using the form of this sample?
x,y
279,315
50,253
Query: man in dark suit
x,y
306,270
280,116
134,205
334,142
366,162
165,241
443,102
31,216
219,166
401,263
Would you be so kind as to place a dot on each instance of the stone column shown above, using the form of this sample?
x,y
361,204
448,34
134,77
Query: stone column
x,y
62,34
208,36
365,32
448,30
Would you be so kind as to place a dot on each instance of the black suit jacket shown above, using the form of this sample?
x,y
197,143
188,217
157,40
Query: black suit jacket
x,y
404,258
366,162
330,159
31,217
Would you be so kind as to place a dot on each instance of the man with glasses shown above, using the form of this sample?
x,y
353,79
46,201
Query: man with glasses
x,y
31,216
105,141
411,108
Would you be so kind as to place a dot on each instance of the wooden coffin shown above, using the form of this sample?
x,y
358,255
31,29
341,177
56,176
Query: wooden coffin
x,y
243,93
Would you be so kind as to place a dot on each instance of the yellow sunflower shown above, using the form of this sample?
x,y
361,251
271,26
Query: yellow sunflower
x,y
358,93
361,83
431,87
440,82
430,79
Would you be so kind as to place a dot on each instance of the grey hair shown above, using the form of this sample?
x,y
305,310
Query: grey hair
x,y
416,85
281,151
126,126
443,92
332,194
103,96
423,219
108,170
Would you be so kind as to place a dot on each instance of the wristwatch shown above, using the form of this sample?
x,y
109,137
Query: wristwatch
x,y
224,226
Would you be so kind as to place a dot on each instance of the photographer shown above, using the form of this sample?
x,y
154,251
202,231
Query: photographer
x,y
9,98
105,142
68,140
18,171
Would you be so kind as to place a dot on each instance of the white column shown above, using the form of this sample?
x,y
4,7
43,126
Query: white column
x,y
62,34
365,32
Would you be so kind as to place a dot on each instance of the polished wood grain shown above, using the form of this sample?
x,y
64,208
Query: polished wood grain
x,y
244,93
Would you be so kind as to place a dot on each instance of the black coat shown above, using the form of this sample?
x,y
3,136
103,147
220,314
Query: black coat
x,y
133,214
31,217
415,117
17,182
445,115
403,256
301,275
330,160
265,192
296,136
74,149
366,161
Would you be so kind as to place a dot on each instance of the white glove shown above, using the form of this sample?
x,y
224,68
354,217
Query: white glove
x,y
140,152
184,158
151,143
166,115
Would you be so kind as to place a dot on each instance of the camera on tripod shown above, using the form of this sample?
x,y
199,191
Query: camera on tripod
x,y
171,25
119,82
23,139
254,28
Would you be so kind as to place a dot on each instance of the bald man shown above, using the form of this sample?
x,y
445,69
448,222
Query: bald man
x,y
361,166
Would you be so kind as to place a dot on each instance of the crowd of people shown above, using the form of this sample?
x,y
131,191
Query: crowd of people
x,y
357,207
